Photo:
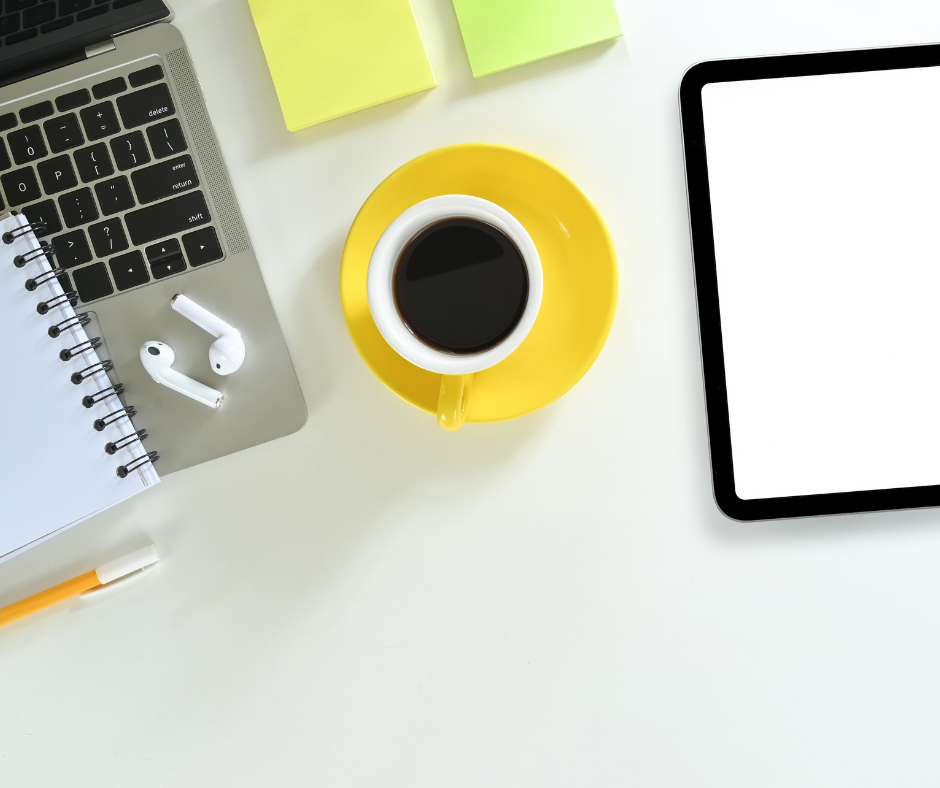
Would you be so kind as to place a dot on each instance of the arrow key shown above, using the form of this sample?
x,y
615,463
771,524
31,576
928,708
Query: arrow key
x,y
166,258
129,270
202,246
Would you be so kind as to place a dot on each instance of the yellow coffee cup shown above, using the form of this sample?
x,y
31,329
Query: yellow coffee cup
x,y
456,368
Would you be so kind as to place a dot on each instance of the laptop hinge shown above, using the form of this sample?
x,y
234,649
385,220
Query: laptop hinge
x,y
99,49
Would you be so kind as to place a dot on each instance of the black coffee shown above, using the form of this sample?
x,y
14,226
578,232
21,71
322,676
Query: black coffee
x,y
461,286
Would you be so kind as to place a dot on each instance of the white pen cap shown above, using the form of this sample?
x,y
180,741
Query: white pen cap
x,y
115,570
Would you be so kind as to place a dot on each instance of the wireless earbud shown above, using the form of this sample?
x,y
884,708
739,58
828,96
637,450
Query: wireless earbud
x,y
227,353
158,359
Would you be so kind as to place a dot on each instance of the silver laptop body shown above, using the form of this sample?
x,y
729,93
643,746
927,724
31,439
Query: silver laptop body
x,y
147,212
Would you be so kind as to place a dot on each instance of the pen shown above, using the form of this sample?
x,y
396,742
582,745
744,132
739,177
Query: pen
x,y
104,575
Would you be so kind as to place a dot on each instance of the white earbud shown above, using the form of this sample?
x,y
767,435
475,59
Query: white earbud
x,y
227,353
158,359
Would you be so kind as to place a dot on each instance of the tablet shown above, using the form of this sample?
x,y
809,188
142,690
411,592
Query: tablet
x,y
814,201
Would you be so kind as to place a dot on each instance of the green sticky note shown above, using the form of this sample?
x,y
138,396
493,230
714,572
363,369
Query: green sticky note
x,y
332,57
501,34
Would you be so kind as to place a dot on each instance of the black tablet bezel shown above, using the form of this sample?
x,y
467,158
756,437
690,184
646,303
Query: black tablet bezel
x,y
706,283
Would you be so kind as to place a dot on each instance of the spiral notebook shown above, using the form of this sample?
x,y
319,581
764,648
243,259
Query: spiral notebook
x,y
68,446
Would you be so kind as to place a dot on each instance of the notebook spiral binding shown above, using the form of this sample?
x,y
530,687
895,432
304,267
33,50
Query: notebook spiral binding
x,y
30,227
111,391
112,447
22,259
124,470
44,306
76,351
99,366
36,281
121,413
72,322
82,347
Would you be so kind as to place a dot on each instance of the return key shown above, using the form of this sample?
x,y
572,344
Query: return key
x,y
165,179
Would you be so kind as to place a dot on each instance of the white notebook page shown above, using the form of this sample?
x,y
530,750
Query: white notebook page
x,y
54,468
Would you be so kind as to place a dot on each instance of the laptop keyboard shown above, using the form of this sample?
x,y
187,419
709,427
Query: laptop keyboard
x,y
108,170
26,19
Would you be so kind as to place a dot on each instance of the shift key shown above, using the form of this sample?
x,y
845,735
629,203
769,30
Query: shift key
x,y
167,218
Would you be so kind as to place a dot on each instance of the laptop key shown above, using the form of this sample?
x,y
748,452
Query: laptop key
x,y
19,5
8,121
168,266
202,246
167,218
164,251
9,24
45,213
36,16
20,186
37,111
23,35
27,144
57,25
145,76
57,175
74,100
71,6
165,179
92,282
130,150
77,207
108,237
109,88
63,132
100,121
71,249
115,195
129,270
166,139
145,106
5,162
90,13
93,162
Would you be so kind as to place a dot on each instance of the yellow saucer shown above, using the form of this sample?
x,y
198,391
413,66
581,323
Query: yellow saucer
x,y
579,269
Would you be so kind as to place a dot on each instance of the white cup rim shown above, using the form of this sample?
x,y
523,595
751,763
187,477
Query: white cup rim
x,y
382,268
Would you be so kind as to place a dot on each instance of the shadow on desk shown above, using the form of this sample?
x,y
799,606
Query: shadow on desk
x,y
364,456
812,529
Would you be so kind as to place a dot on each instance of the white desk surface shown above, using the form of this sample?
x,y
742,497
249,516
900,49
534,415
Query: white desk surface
x,y
554,601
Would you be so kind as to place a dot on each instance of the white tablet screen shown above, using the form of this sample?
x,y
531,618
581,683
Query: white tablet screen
x,y
825,195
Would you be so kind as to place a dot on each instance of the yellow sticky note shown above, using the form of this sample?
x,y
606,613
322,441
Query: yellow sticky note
x,y
501,34
332,57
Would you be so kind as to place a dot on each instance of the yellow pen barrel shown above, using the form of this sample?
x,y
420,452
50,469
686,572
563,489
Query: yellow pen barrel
x,y
51,596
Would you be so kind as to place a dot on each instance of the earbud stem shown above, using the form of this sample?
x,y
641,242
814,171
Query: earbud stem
x,y
192,388
200,316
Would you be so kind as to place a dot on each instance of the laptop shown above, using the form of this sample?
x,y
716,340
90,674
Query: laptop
x,y
106,143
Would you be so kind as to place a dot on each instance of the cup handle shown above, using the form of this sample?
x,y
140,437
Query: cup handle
x,y
452,403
